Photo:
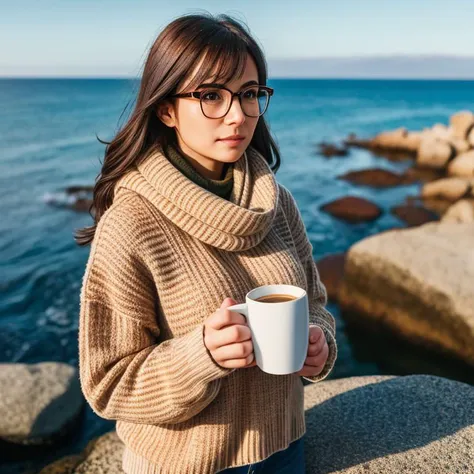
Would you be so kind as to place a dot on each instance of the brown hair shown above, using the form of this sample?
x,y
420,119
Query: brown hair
x,y
225,43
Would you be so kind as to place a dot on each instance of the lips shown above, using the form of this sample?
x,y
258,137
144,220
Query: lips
x,y
233,137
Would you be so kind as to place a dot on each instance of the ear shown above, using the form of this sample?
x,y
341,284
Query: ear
x,y
165,112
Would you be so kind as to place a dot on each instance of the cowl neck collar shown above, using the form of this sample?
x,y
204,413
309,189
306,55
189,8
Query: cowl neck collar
x,y
239,223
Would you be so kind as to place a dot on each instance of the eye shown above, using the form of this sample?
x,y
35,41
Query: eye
x,y
251,93
212,96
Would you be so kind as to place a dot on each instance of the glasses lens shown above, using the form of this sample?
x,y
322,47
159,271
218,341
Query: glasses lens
x,y
214,102
255,101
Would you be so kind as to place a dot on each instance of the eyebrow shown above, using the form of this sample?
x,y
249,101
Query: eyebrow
x,y
215,84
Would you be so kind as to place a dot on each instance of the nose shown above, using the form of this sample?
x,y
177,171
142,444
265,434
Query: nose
x,y
235,114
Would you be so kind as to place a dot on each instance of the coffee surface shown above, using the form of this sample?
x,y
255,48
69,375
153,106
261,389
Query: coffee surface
x,y
276,298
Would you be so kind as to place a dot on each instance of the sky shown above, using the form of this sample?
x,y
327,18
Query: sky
x,y
112,37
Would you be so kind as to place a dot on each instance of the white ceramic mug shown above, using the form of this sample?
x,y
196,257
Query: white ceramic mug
x,y
280,331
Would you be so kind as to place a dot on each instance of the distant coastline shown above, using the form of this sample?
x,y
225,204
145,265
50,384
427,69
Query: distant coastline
x,y
388,67
422,67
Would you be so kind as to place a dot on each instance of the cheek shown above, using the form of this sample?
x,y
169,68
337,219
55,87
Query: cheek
x,y
194,127
251,126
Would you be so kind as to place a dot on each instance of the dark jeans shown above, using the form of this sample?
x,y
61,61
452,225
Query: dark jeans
x,y
288,461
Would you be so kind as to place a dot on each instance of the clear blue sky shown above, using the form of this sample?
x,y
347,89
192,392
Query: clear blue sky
x,y
97,37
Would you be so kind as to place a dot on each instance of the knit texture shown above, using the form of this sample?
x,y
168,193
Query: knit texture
x,y
164,257
220,187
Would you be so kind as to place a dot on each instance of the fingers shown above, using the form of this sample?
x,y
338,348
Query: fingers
x,y
227,335
315,348
320,358
315,333
239,363
240,350
309,371
252,364
224,317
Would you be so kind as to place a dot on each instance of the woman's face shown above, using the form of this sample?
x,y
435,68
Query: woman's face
x,y
201,137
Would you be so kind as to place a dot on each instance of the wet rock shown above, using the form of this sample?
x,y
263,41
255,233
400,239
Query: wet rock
x,y
78,189
416,424
417,283
462,123
424,174
377,178
399,140
329,150
460,212
39,402
354,141
353,209
102,455
77,198
82,205
414,215
447,188
434,153
331,272
463,165
436,205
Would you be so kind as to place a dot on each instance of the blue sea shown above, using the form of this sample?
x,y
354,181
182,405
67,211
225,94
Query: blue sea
x,y
48,131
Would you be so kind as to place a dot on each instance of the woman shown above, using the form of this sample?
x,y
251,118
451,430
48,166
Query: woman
x,y
188,221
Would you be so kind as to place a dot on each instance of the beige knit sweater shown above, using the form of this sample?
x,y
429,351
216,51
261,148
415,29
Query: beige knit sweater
x,y
164,257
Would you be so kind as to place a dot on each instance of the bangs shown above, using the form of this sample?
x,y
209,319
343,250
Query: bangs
x,y
224,60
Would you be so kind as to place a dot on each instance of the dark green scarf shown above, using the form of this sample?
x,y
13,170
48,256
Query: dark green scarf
x,y
221,187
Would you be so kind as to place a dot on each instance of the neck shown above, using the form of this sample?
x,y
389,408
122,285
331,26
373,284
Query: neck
x,y
207,167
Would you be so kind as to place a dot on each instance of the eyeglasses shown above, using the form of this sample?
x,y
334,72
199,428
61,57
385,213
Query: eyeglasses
x,y
217,100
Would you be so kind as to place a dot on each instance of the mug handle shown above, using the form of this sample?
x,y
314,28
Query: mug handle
x,y
240,308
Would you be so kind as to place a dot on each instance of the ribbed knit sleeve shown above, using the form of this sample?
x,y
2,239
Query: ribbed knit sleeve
x,y
125,372
317,295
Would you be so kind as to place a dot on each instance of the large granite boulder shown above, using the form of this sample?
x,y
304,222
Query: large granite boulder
x,y
331,273
434,153
460,212
452,189
418,283
39,402
461,123
102,455
399,139
416,424
462,165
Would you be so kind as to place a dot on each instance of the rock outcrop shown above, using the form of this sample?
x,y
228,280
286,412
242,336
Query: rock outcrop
x,y
39,402
416,424
418,283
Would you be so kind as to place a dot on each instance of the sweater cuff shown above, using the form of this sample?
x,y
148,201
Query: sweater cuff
x,y
332,355
198,359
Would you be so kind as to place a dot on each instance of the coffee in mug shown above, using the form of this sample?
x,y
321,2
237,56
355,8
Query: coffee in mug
x,y
279,331
275,298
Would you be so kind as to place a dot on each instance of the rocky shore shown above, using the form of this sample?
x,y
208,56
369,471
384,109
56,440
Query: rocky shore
x,y
373,424
443,164
416,283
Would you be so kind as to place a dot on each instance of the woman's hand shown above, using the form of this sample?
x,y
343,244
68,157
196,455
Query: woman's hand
x,y
228,338
317,355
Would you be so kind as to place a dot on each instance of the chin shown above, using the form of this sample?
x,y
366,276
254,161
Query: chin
x,y
232,155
